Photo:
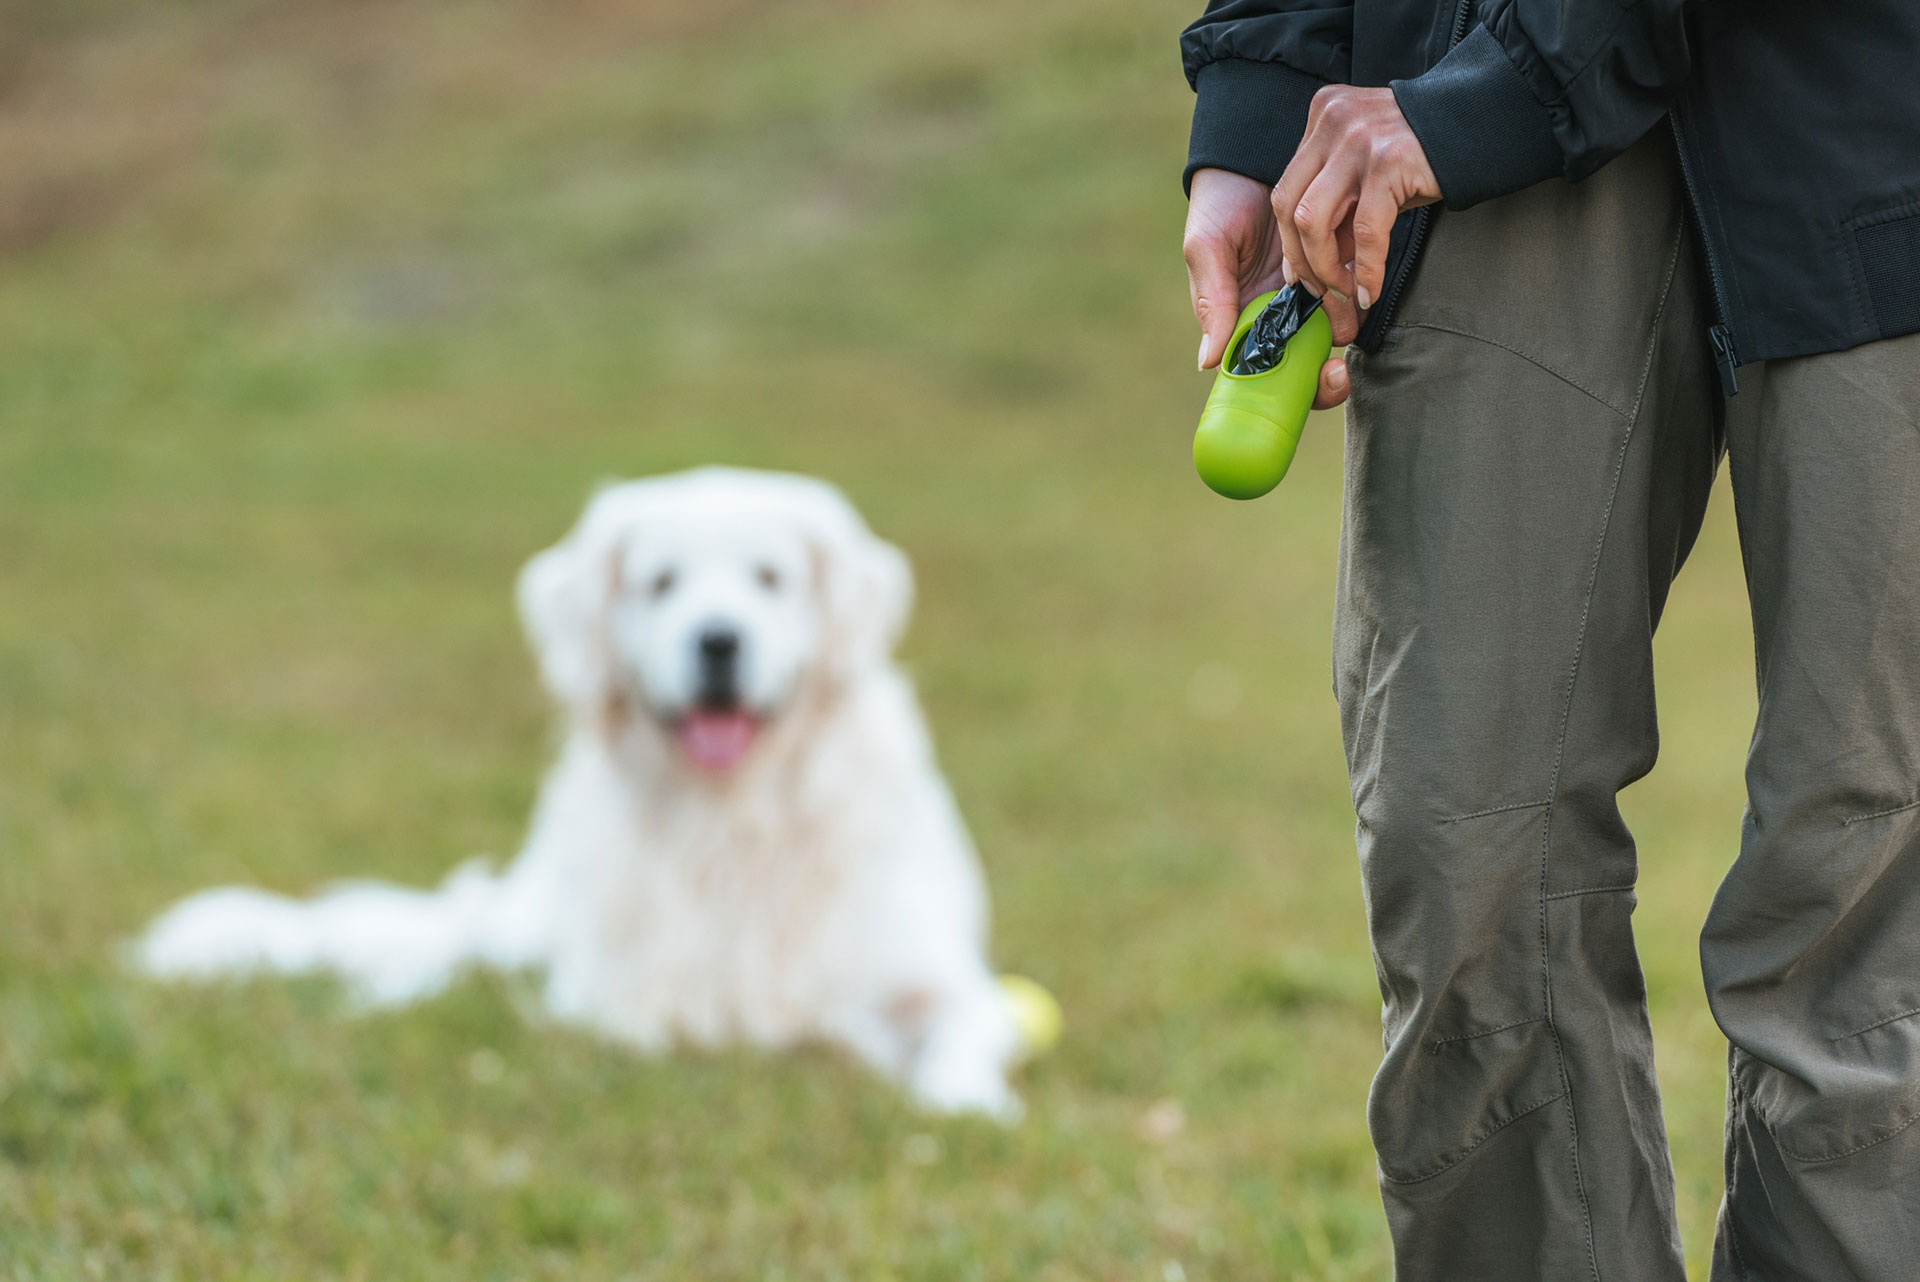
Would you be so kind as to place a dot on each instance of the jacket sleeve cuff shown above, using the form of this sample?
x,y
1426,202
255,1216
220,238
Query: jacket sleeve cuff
x,y
1484,132
1249,117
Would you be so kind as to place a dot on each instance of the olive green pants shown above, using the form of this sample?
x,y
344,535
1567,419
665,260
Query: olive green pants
x,y
1528,459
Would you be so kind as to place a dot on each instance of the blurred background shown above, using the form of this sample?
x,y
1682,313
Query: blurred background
x,y
317,317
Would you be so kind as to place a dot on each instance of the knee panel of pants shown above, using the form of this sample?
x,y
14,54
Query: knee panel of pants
x,y
1454,908
1433,1105
1840,1099
1784,1217
1813,968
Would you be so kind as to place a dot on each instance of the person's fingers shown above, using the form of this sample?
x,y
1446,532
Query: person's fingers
x,y
1342,315
1334,384
1215,289
1286,198
1373,216
1318,217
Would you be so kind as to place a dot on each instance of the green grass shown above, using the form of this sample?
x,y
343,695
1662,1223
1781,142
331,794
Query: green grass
x,y
317,318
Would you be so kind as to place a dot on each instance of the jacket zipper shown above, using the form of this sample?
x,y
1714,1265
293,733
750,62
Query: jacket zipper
x,y
1382,313
1719,337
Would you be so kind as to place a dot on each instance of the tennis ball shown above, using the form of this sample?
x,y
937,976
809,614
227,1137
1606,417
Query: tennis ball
x,y
1035,1013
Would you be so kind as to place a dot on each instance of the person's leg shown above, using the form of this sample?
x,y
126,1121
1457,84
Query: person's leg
x,y
1528,458
1812,950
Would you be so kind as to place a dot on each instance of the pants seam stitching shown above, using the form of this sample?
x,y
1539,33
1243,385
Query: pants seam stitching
x,y
1878,1023
1499,810
1590,890
1530,359
1530,1109
1560,749
1485,1032
1834,1157
1659,314
1880,814
1766,1123
1736,1107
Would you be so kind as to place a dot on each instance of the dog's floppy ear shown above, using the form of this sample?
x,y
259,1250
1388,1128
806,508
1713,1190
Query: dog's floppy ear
x,y
564,593
866,591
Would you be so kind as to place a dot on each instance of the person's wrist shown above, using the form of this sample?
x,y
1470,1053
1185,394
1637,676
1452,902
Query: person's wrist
x,y
1212,182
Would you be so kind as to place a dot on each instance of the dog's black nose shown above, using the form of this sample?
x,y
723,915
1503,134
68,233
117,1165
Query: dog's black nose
x,y
719,667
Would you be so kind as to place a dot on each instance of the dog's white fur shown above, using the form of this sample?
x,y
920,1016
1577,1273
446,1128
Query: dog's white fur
x,y
823,887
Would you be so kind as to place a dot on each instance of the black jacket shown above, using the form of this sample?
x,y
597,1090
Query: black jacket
x,y
1798,126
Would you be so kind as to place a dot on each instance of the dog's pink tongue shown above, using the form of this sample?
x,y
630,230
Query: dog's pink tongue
x,y
716,740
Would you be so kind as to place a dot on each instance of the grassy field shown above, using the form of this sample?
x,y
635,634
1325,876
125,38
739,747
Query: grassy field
x,y
317,317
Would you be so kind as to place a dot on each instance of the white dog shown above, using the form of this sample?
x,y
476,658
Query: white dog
x,y
745,836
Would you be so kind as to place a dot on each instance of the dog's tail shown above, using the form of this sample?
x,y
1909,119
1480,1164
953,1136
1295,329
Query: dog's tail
x,y
391,944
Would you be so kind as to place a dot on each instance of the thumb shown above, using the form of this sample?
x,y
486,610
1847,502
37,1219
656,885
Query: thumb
x,y
1334,384
1216,299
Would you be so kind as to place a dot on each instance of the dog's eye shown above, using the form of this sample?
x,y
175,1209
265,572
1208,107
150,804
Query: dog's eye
x,y
661,585
769,578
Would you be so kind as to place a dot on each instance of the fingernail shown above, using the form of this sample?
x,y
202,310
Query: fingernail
x,y
1336,293
1206,349
1366,300
1337,376
1287,272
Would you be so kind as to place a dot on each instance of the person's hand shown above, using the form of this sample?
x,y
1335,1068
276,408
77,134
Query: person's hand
x,y
1357,167
1233,254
